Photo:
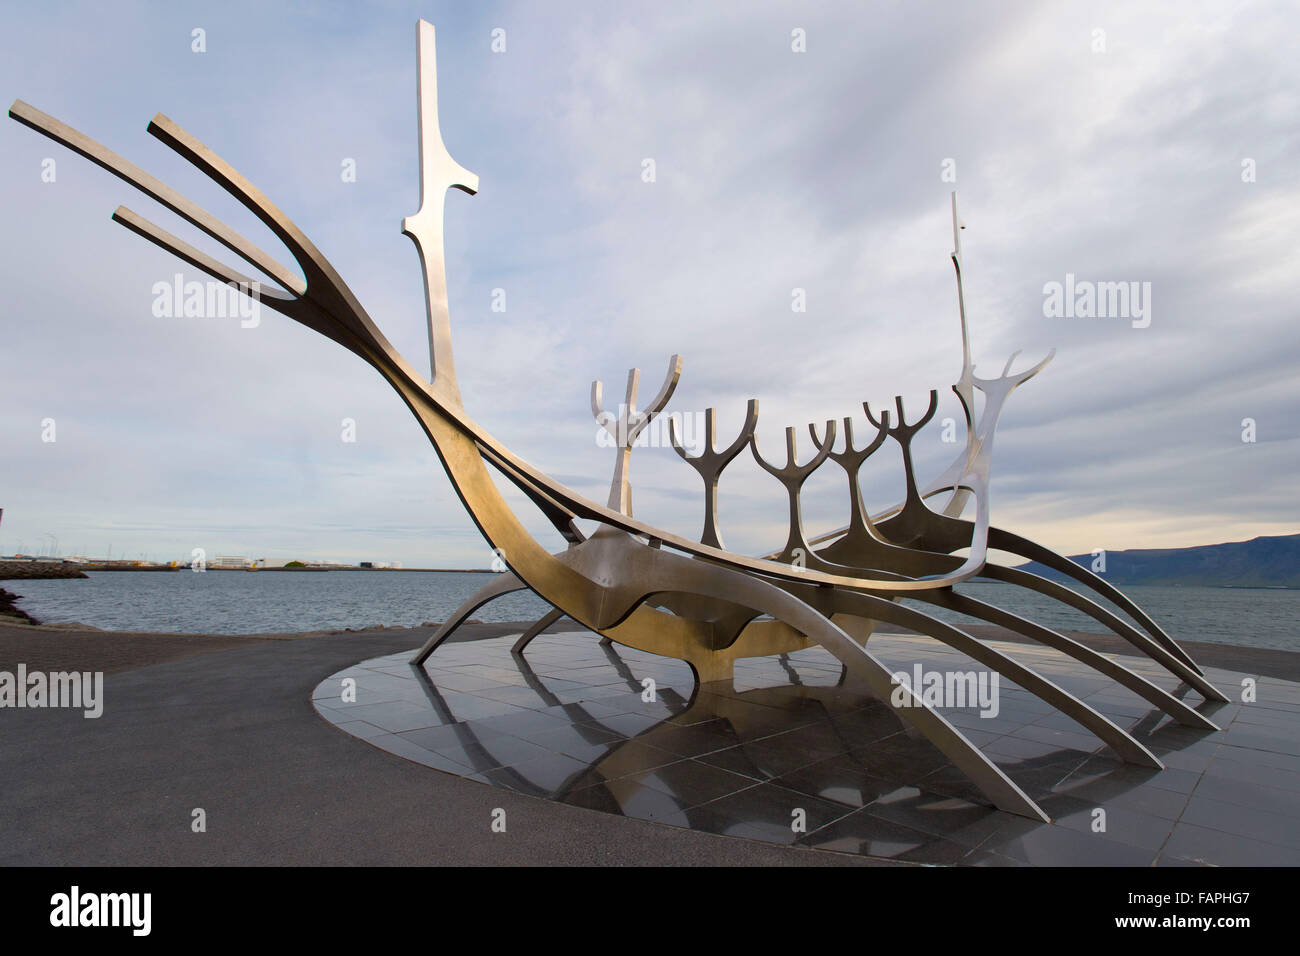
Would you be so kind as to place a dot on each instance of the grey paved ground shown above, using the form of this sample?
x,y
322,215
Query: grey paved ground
x,y
226,724
233,732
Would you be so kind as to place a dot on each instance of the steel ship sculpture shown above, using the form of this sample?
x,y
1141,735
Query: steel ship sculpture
x,y
647,588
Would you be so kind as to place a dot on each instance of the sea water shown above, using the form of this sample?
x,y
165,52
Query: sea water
x,y
235,602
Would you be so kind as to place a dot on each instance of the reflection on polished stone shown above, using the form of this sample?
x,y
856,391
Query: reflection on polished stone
x,y
788,753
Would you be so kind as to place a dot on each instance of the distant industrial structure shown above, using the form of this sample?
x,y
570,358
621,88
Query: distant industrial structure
x,y
232,563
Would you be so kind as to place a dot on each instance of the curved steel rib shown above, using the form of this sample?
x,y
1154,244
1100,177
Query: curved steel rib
x,y
877,608
1121,627
1015,544
845,555
1139,685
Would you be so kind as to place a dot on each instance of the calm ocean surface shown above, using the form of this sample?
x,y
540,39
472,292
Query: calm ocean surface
x,y
229,602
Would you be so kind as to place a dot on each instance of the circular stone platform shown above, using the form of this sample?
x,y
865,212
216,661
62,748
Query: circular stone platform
x,y
784,754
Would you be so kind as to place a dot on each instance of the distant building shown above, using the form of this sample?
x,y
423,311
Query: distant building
x,y
227,561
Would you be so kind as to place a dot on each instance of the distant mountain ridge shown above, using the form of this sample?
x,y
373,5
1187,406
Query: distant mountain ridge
x,y
1257,563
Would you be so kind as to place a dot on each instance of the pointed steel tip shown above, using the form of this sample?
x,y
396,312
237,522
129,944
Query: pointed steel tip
x,y
425,37
160,124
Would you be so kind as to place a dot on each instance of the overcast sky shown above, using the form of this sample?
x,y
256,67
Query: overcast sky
x,y
1115,142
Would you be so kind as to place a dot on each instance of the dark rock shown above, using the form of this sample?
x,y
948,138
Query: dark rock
x,y
10,612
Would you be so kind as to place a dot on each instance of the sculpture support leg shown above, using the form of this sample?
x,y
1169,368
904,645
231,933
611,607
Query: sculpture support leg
x,y
1167,702
1121,627
541,624
503,583
1015,544
656,571
1116,737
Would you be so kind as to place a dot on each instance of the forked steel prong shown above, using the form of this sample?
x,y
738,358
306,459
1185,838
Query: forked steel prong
x,y
792,476
851,460
155,189
711,462
628,424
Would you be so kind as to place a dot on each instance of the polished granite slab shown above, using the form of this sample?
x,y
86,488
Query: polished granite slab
x,y
786,754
